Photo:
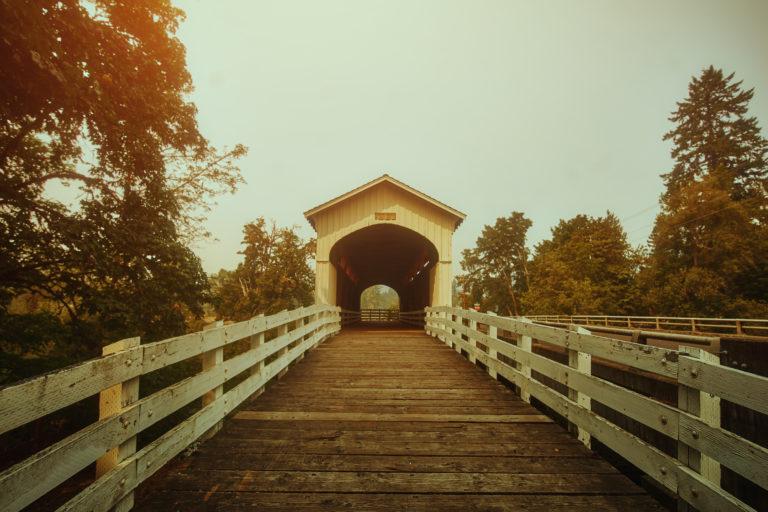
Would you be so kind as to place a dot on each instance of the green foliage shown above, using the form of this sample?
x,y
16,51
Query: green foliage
x,y
379,297
495,271
274,275
709,246
587,267
94,96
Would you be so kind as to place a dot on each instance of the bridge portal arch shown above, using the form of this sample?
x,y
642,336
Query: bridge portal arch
x,y
384,232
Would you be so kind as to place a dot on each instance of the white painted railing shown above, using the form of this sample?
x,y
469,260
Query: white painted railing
x,y
111,441
703,446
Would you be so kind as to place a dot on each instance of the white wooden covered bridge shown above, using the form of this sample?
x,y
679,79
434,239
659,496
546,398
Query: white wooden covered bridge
x,y
449,409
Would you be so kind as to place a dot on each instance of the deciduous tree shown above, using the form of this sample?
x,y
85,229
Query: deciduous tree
x,y
94,95
586,267
274,274
495,270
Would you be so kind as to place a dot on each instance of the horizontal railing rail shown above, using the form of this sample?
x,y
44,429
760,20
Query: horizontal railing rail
x,y
111,441
734,326
349,317
379,315
694,475
415,318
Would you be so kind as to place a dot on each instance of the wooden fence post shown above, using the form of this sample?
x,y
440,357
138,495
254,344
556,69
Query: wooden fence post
x,y
492,354
112,401
256,341
472,341
441,314
455,318
525,343
707,408
582,363
211,359
281,330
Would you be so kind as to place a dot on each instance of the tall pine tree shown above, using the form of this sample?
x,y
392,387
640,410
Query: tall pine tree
x,y
709,247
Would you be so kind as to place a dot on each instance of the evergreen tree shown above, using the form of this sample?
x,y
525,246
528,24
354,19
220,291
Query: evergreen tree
x,y
710,241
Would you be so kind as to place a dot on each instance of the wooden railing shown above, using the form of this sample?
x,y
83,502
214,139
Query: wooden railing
x,y
736,326
111,441
694,424
379,315
349,317
415,318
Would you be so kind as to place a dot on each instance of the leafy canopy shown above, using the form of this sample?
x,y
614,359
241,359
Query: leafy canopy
x,y
93,96
587,267
274,274
495,270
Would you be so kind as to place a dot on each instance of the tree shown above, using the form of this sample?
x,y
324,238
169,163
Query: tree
x,y
495,270
274,274
94,95
709,245
586,268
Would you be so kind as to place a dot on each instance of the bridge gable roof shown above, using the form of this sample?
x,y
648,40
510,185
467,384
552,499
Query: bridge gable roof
x,y
311,214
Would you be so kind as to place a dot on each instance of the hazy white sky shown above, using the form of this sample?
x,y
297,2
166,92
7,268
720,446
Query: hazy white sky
x,y
552,108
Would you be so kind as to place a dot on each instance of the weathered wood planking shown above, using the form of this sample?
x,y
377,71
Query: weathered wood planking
x,y
319,439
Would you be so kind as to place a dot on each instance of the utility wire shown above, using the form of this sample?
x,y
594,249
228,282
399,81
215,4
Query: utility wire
x,y
732,205
636,214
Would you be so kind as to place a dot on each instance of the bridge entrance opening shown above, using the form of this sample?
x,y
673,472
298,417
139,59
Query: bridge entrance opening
x,y
384,254
379,303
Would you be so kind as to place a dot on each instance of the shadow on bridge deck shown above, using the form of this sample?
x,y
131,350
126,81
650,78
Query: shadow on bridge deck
x,y
390,419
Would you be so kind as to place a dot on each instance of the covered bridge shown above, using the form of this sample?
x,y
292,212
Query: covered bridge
x,y
384,232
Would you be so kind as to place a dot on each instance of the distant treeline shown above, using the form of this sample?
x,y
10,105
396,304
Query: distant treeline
x,y
707,254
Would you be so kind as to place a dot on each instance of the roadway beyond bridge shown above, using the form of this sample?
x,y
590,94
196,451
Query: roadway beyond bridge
x,y
390,419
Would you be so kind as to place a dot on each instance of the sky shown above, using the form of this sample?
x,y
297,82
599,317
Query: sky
x,y
551,108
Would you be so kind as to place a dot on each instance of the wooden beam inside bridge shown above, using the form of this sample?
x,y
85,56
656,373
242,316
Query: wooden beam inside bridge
x,y
390,420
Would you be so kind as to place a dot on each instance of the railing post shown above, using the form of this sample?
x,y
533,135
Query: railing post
x,y
707,408
739,327
211,359
492,354
525,344
300,323
472,341
257,340
112,401
582,363
281,330
455,318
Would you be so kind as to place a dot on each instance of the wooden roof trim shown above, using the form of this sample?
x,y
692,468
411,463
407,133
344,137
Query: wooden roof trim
x,y
309,214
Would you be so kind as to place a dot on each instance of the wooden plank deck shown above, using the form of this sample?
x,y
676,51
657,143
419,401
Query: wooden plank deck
x,y
390,419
